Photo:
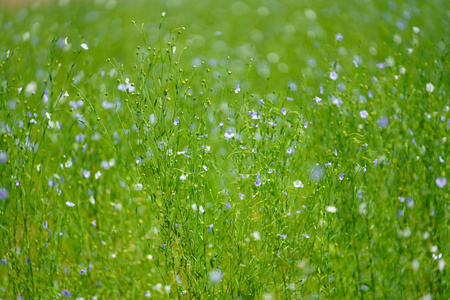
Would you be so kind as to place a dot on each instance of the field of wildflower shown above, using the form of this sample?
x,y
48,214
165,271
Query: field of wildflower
x,y
182,149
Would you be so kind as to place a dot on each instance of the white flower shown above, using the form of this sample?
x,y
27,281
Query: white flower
x,y
256,235
158,287
70,204
68,164
298,184
138,187
183,177
430,87
331,209
84,46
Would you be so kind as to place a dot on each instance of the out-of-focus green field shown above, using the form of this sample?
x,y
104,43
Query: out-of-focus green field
x,y
225,150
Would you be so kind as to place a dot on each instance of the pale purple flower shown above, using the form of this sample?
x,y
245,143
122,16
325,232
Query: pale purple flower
x,y
200,209
339,37
328,165
338,102
290,99
401,199
383,122
228,205
283,236
441,159
253,114
375,162
82,272
283,111
400,213
305,235
45,225
210,227
335,152
410,202
321,90
341,176
176,121
290,150
3,157
363,114
220,125
127,87
86,173
70,204
66,293
333,75
3,193
261,102
341,87
441,182
3,261
306,124
229,134
238,89
258,180
355,63
360,196
215,276
241,196
205,168
317,99
382,65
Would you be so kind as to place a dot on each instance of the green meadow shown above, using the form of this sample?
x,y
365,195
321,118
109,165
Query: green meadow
x,y
205,149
